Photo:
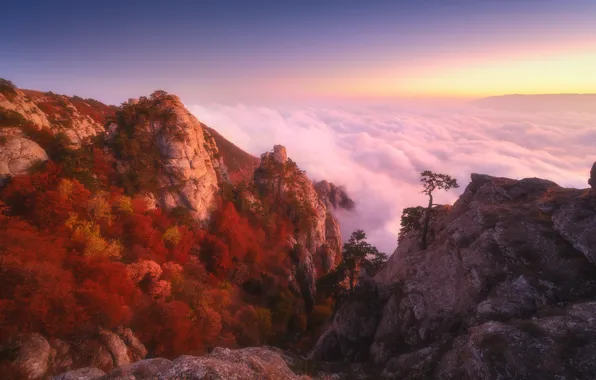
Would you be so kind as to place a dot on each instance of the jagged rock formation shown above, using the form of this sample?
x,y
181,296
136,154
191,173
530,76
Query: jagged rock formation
x,y
334,196
318,240
221,364
31,356
504,290
183,156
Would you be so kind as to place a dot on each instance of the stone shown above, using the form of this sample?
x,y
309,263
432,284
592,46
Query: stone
x,y
91,353
143,369
29,356
136,348
115,347
17,155
224,364
87,373
279,154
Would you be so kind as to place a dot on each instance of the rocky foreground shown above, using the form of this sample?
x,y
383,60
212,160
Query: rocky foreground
x,y
221,364
505,290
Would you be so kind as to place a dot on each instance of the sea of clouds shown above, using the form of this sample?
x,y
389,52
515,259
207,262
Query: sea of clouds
x,y
377,153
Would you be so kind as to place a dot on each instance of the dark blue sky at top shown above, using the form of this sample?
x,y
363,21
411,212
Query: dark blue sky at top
x,y
114,49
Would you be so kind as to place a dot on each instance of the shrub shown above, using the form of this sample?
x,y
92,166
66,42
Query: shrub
x,y
8,89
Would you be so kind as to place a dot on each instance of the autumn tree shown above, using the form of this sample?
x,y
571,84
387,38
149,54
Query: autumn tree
x,y
431,182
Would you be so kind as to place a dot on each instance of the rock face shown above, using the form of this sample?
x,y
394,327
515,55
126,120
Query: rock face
x,y
334,197
189,172
318,241
221,364
18,102
502,291
31,356
188,165
18,154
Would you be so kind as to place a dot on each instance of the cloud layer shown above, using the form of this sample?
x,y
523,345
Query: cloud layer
x,y
378,153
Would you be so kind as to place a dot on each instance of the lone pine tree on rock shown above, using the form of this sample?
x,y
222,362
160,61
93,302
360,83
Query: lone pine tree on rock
x,y
431,182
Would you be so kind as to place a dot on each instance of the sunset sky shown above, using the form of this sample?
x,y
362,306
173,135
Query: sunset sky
x,y
264,52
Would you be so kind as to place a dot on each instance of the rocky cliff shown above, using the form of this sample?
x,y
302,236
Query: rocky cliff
x,y
505,289
316,241
163,150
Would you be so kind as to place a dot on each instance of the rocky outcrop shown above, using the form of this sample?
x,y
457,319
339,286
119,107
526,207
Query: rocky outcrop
x,y
335,197
18,154
188,165
18,102
502,291
221,364
318,238
186,170
31,356
78,119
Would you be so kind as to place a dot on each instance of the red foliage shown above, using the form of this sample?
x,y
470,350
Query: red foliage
x,y
29,261
208,286
168,329
102,166
104,291
45,198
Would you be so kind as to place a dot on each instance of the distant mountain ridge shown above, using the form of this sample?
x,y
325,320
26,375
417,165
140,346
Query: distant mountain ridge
x,y
540,103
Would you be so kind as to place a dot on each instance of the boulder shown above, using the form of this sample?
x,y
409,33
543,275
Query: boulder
x,y
87,373
143,369
17,155
28,356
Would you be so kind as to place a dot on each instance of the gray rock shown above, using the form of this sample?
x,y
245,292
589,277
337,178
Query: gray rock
x,y
87,373
225,364
29,354
18,154
143,369
506,251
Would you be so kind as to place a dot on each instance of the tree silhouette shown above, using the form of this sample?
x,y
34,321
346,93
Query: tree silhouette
x,y
357,254
431,182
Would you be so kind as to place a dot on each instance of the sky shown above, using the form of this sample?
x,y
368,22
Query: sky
x,y
307,52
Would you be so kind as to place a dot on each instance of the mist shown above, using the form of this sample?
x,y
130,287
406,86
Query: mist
x,y
377,152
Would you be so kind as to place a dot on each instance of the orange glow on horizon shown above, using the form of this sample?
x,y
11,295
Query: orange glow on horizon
x,y
564,72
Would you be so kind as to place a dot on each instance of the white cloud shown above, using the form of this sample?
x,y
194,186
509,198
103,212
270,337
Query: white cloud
x,y
378,153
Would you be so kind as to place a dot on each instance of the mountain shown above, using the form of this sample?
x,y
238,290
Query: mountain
x,y
137,242
540,103
506,289
158,236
